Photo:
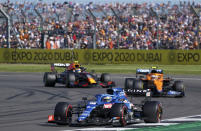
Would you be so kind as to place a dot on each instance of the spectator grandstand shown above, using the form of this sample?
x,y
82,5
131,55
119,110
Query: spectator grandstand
x,y
70,25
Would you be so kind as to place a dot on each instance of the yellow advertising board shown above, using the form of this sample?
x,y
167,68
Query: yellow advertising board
x,y
89,56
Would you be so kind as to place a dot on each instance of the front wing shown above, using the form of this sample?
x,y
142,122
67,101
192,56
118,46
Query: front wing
x,y
109,84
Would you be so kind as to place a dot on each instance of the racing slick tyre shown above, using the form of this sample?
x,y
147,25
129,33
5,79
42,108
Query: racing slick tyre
x,y
63,113
138,84
70,79
179,86
152,111
49,79
129,82
120,111
105,77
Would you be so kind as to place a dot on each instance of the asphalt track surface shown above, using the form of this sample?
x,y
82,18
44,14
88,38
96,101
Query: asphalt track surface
x,y
25,103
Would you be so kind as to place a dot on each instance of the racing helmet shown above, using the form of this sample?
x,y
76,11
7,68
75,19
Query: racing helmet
x,y
107,99
77,66
153,69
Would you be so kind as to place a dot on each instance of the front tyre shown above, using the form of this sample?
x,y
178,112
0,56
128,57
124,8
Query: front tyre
x,y
179,86
152,111
120,112
49,79
63,113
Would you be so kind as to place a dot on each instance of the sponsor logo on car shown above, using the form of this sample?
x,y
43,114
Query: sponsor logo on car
x,y
92,103
107,106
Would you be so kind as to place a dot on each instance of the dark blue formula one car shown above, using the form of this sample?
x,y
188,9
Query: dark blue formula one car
x,y
112,108
74,75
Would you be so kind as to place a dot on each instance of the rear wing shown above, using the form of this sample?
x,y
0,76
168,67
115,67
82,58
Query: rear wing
x,y
147,71
60,64
63,65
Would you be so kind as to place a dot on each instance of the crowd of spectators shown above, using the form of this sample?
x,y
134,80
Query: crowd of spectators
x,y
70,25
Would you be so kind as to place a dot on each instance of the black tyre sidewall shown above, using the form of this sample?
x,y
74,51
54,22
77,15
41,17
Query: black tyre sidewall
x,y
64,111
105,77
138,84
118,110
49,79
129,83
179,86
70,78
152,111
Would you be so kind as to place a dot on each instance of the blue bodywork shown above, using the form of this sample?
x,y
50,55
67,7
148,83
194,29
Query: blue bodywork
x,y
118,96
174,93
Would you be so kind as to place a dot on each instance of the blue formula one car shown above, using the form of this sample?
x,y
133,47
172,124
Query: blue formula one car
x,y
112,108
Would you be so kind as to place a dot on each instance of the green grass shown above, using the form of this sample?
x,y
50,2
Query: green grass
x,y
110,68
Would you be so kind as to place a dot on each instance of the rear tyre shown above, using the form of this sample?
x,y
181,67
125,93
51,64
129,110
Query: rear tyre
x,y
63,113
129,83
119,110
49,79
179,86
105,77
138,84
152,111
70,79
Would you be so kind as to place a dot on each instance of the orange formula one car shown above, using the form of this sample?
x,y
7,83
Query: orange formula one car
x,y
154,81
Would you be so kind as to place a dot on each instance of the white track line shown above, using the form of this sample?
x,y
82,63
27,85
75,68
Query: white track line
x,y
185,120
103,129
153,124
164,123
188,118
3,75
195,79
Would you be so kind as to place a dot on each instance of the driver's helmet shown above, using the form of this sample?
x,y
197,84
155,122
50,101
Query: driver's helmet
x,y
76,67
107,99
76,64
154,70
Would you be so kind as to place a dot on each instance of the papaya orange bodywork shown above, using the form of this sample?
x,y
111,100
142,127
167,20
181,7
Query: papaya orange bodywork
x,y
157,80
